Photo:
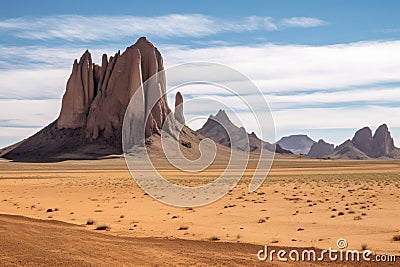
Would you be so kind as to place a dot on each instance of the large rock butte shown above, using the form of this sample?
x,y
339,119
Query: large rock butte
x,y
364,145
94,105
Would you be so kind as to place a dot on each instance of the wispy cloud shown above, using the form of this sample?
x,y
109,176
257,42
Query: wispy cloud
x,y
74,27
333,86
302,22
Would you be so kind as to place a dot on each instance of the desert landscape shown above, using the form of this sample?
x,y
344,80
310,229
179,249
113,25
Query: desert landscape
x,y
296,153
67,191
303,203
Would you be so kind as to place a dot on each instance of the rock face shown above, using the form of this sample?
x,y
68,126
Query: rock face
x,y
365,145
95,101
298,144
347,151
218,126
179,108
97,96
383,144
321,149
363,141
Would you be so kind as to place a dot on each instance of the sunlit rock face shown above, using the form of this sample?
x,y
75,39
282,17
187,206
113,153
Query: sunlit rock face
x,y
95,102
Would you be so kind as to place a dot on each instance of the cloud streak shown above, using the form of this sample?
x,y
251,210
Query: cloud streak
x,y
74,27
309,87
303,22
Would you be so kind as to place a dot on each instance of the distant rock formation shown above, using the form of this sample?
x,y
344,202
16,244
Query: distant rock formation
x,y
218,126
363,141
298,144
364,145
383,144
94,105
321,149
347,151
179,108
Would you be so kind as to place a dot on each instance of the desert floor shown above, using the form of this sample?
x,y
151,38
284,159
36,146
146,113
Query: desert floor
x,y
303,203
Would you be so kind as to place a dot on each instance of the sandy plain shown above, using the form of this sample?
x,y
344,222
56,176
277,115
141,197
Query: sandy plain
x,y
303,203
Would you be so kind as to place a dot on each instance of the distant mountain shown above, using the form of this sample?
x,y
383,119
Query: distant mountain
x,y
321,149
298,144
364,145
347,150
215,126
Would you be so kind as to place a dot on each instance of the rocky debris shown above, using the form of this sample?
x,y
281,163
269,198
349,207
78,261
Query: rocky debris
x,y
321,149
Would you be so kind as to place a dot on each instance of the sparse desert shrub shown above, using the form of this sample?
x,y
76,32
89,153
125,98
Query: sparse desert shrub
x,y
214,238
396,238
102,227
90,222
261,221
364,247
49,210
341,213
183,228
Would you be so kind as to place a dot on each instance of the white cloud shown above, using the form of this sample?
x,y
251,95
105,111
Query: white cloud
x,y
356,72
74,27
280,68
302,22
28,113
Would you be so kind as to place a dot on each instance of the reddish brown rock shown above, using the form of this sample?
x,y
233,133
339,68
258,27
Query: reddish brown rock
x,y
78,95
94,105
179,108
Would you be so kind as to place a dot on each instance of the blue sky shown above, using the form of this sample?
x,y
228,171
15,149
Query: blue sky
x,y
326,68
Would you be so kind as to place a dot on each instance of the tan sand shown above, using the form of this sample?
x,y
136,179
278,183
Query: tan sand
x,y
297,206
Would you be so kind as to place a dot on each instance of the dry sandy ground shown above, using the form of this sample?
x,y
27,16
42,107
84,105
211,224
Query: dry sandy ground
x,y
302,203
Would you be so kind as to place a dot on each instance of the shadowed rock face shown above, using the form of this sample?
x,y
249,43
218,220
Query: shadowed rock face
x,y
320,149
218,126
94,105
364,145
363,141
383,143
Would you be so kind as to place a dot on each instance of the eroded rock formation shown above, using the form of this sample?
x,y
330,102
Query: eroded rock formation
x,y
321,149
94,105
218,126
365,145
179,108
